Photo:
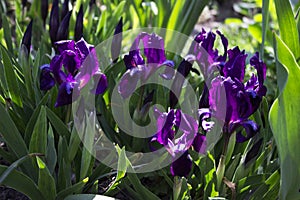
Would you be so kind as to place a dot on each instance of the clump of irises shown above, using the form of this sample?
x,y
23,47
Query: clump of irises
x,y
72,69
226,97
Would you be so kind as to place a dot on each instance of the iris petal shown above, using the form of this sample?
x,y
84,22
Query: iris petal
x,y
200,143
100,82
129,81
46,79
251,129
181,166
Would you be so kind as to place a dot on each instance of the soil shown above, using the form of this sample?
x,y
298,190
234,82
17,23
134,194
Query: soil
x,y
11,194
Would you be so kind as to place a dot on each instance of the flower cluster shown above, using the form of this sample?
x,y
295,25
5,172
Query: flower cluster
x,y
188,137
137,68
225,97
231,101
72,69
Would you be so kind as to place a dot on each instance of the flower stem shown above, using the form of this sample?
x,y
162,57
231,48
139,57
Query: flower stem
x,y
222,162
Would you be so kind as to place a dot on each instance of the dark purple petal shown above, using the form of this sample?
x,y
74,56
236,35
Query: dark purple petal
x,y
55,66
204,100
46,79
65,45
235,66
71,61
169,69
26,40
217,98
225,45
67,93
251,129
100,82
134,59
65,9
200,143
204,114
154,48
84,48
181,166
261,73
165,128
54,21
79,24
129,81
117,41
187,124
63,29
44,10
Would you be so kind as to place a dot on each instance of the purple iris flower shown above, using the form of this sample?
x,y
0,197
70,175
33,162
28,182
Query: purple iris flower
x,y
231,101
207,57
72,69
138,68
241,99
189,137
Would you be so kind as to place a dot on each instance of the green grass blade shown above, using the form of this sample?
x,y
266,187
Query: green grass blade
x,y
21,183
283,117
88,197
265,21
38,142
287,26
46,182
11,135
57,124
7,33
13,166
11,78
51,156
76,188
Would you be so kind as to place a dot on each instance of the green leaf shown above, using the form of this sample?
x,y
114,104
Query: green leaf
x,y
11,78
51,157
88,141
26,68
34,118
58,125
21,183
76,188
283,117
265,21
46,182
287,26
7,156
88,197
38,142
11,135
7,33
122,167
74,144
13,166
180,189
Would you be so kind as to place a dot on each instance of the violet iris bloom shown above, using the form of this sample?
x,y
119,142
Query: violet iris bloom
x,y
68,71
137,68
241,99
231,101
190,137
210,60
